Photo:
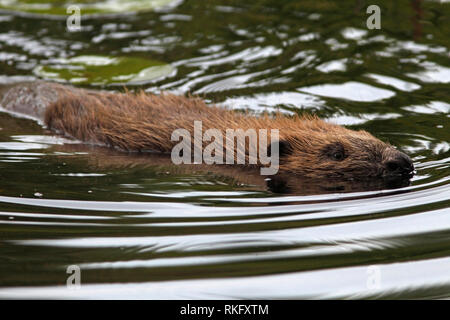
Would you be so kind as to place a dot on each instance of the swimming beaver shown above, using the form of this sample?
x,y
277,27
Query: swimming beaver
x,y
308,147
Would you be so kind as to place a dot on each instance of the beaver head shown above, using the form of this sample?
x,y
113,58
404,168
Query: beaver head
x,y
317,149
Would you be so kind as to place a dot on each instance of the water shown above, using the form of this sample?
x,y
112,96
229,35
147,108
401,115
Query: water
x,y
140,228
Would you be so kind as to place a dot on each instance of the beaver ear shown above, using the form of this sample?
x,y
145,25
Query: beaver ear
x,y
284,148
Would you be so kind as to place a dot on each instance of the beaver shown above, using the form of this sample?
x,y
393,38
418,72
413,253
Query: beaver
x,y
307,146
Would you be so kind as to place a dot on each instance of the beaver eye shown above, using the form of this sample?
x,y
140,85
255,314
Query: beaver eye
x,y
335,151
338,156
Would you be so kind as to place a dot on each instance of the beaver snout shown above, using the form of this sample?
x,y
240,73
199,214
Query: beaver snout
x,y
399,164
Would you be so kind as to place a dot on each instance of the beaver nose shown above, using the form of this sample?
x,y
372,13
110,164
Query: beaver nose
x,y
400,164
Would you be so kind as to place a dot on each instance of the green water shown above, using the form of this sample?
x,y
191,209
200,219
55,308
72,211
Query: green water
x,y
139,228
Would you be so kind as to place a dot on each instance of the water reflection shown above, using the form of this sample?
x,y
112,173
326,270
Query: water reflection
x,y
351,91
142,228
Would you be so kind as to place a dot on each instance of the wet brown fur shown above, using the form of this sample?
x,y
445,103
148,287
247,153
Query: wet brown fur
x,y
138,122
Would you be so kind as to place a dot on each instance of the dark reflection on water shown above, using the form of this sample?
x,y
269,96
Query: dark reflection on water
x,y
141,230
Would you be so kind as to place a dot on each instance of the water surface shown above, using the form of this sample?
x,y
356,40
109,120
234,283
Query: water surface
x,y
149,231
